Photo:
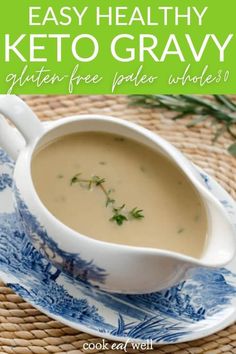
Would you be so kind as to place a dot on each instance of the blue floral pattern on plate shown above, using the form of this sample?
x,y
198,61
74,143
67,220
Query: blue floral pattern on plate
x,y
190,310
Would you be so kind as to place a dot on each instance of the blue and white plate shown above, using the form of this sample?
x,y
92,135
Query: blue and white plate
x,y
203,304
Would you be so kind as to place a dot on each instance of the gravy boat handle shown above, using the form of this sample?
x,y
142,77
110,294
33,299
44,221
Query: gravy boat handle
x,y
23,118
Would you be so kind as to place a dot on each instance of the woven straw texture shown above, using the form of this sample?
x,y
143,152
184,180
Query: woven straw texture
x,y
23,329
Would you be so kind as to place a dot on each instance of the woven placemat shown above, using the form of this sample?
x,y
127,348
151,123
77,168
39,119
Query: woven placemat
x,y
23,329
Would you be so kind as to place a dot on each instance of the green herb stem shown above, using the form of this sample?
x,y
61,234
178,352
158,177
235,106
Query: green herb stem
x,y
118,213
221,109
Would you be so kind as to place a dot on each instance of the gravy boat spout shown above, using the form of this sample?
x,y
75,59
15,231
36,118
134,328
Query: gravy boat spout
x,y
111,267
220,246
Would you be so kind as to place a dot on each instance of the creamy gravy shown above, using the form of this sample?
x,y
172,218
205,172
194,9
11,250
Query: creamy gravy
x,y
135,175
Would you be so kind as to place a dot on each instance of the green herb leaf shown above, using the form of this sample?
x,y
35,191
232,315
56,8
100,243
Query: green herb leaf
x,y
75,179
119,219
136,213
98,180
109,201
117,210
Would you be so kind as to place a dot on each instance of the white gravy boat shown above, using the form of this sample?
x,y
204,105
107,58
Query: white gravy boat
x,y
112,267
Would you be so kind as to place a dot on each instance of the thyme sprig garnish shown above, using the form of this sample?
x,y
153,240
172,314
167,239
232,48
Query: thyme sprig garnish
x,y
221,109
119,214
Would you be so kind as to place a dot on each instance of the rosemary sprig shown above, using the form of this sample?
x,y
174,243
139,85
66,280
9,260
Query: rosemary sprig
x,y
119,214
221,109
